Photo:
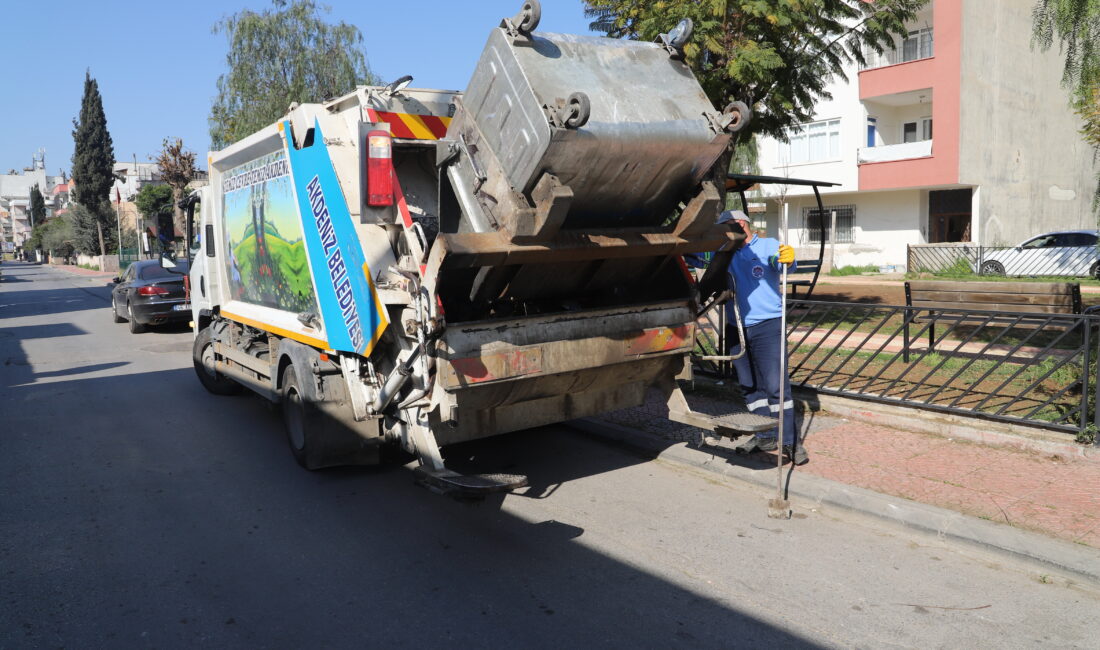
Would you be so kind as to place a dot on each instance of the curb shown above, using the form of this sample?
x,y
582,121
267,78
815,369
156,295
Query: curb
x,y
1082,562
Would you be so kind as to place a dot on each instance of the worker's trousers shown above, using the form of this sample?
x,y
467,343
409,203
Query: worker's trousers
x,y
758,374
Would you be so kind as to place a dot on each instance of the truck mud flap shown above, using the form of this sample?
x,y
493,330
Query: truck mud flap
x,y
452,483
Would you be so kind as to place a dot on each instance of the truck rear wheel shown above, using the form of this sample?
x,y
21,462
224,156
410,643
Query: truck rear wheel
x,y
202,355
301,420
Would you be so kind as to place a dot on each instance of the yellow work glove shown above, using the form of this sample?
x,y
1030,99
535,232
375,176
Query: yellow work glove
x,y
786,254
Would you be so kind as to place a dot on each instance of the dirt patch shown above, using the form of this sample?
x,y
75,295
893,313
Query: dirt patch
x,y
873,294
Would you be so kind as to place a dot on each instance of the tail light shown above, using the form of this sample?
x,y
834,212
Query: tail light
x,y
187,287
152,291
379,168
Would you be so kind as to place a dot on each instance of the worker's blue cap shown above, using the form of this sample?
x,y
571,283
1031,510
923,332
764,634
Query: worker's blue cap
x,y
732,215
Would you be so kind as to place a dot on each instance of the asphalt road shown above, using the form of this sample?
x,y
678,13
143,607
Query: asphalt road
x,y
136,510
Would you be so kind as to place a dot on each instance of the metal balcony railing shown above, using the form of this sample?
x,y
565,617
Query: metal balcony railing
x,y
917,46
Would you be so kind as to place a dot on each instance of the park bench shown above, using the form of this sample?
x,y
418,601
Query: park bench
x,y
930,301
804,275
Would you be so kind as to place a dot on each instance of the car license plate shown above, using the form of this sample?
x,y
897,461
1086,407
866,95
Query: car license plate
x,y
184,307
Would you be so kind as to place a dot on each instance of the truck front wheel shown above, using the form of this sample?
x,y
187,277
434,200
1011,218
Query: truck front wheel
x,y
203,356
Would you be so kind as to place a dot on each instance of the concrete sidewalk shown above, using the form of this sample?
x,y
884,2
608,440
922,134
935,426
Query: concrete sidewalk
x,y
1044,483
76,270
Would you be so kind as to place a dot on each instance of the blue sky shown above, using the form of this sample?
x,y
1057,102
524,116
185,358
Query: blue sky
x,y
157,62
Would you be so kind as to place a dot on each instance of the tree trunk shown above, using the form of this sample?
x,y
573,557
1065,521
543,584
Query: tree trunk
x,y
102,247
178,219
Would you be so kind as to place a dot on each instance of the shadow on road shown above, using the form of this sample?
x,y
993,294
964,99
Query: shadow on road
x,y
141,509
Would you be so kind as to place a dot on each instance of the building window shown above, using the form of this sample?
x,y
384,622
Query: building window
x,y
917,131
815,220
813,142
918,45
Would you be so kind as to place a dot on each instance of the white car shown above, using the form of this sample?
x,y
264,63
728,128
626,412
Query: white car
x,y
1071,253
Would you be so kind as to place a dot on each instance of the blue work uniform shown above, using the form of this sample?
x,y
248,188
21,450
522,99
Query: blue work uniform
x,y
756,271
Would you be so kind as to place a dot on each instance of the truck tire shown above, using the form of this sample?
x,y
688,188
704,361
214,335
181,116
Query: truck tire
x,y
301,420
202,353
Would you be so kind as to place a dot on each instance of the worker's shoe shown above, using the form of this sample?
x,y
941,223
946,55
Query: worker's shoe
x,y
796,453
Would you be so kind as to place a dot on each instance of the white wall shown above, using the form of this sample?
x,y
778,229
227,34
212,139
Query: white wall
x,y
1018,138
885,223
891,118
843,105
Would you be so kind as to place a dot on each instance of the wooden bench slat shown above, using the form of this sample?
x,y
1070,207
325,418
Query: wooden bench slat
x,y
1009,309
992,287
992,298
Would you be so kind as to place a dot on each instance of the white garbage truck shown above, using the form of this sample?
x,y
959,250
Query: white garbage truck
x,y
417,268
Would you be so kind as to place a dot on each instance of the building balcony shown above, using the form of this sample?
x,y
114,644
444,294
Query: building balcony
x,y
917,46
892,152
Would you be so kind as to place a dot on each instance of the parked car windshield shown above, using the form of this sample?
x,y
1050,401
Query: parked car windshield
x,y
156,272
1041,241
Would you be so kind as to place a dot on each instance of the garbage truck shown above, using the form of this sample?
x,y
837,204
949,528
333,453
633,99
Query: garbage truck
x,y
408,269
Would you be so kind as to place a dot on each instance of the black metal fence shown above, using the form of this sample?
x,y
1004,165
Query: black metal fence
x,y
1034,369
1037,258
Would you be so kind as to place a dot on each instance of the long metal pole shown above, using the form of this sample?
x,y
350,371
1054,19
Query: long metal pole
x,y
782,384
782,360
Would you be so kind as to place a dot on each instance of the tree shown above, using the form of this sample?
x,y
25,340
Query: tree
x,y
38,206
777,57
1075,24
93,167
34,242
284,54
154,201
53,236
155,204
89,233
177,168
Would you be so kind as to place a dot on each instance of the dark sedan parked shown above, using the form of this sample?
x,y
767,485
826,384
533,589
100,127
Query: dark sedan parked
x,y
150,295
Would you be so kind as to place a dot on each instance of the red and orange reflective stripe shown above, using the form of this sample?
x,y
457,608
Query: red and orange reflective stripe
x,y
415,127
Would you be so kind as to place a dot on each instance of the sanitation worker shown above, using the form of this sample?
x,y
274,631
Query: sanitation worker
x,y
756,273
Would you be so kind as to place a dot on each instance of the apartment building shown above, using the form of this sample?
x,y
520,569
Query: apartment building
x,y
15,198
961,133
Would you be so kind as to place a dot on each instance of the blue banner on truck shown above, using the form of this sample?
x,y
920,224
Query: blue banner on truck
x,y
353,316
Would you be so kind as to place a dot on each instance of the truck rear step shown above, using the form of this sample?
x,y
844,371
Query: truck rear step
x,y
731,425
